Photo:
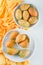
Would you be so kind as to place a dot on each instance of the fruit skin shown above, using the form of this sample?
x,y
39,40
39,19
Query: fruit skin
x,y
25,15
20,38
25,43
33,20
24,7
24,53
33,11
13,35
12,51
10,43
18,14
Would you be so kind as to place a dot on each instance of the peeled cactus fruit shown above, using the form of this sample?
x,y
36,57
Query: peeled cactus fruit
x,y
24,53
10,43
12,51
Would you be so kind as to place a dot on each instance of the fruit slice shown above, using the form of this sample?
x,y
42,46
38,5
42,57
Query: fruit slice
x,y
24,23
18,14
25,15
33,11
10,43
24,7
24,44
33,20
24,53
13,35
20,38
12,51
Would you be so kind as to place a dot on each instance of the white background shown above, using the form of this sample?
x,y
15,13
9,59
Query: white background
x,y
37,32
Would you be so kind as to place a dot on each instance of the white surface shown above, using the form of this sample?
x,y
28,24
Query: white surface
x,y
37,32
16,58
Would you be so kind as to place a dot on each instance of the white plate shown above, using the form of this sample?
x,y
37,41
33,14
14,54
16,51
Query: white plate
x,y
15,57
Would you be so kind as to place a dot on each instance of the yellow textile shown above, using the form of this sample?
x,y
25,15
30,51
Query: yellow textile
x,y
6,24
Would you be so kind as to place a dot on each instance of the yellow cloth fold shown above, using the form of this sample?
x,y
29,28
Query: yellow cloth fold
x,y
6,24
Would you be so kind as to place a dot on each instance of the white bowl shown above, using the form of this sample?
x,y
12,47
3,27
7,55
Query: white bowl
x,y
16,21
16,58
